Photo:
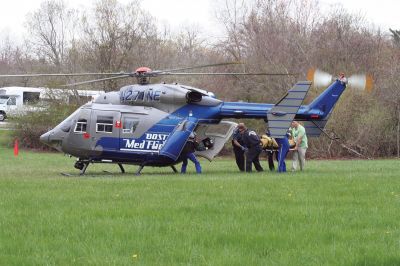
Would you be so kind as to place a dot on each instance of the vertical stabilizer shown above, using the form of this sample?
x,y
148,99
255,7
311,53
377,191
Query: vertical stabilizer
x,y
326,101
283,113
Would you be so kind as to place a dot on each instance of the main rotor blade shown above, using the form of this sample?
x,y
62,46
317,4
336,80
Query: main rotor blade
x,y
199,66
95,80
232,74
58,75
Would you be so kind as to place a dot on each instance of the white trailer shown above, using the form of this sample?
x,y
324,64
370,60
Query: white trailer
x,y
19,100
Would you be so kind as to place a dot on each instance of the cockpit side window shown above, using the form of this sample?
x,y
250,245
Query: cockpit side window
x,y
129,124
80,126
104,124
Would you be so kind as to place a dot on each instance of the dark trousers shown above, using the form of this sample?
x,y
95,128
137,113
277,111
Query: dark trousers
x,y
239,156
270,155
252,157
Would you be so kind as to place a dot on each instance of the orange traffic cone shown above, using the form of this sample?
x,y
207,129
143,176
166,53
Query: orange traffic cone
x,y
16,147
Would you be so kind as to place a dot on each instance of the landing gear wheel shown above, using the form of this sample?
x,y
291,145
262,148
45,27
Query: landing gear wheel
x,y
82,165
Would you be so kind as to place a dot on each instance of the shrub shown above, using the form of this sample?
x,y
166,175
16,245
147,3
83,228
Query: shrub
x,y
29,127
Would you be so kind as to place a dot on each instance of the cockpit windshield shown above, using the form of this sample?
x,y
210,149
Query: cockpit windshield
x,y
66,124
3,99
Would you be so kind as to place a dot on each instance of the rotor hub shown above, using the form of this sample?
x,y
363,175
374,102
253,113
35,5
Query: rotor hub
x,y
142,70
141,74
343,78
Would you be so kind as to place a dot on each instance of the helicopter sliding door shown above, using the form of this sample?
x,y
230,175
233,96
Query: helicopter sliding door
x,y
104,130
175,142
218,134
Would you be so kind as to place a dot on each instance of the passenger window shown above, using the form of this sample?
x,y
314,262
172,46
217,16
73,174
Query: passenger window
x,y
80,126
104,124
129,124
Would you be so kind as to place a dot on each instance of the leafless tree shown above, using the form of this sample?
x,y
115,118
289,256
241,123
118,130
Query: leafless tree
x,y
288,36
51,30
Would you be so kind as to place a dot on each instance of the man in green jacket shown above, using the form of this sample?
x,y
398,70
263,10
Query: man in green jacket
x,y
300,138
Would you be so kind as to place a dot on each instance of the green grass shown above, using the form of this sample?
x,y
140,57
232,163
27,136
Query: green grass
x,y
334,213
5,138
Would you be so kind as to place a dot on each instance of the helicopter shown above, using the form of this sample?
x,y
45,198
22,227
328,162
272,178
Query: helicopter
x,y
148,124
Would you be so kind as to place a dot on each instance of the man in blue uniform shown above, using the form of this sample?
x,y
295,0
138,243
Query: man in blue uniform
x,y
253,149
238,148
282,152
188,153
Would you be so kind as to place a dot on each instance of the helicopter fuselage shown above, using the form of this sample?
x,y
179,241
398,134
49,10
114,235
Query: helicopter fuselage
x,y
149,124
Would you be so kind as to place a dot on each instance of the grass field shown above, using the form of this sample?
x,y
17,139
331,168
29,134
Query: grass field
x,y
334,213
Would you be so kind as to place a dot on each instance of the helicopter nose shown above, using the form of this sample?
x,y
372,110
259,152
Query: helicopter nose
x,y
45,138
53,138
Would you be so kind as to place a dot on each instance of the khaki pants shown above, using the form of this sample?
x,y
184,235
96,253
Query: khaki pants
x,y
299,157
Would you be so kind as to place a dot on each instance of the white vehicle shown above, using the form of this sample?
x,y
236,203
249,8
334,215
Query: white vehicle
x,y
19,100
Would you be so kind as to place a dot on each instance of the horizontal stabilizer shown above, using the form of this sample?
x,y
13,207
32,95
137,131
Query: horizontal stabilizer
x,y
283,113
314,127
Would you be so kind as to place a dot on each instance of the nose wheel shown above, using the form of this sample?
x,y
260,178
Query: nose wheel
x,y
82,165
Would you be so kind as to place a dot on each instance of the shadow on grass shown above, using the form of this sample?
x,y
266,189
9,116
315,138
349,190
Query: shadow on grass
x,y
153,171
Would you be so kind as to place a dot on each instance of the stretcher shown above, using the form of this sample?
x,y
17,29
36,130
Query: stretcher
x,y
270,144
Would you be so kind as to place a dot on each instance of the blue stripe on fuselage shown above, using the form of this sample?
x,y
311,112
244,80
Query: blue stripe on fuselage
x,y
147,146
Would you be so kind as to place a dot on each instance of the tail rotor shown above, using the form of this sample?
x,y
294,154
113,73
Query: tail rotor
x,y
322,79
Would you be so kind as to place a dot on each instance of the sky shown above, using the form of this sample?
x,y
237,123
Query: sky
x,y
175,13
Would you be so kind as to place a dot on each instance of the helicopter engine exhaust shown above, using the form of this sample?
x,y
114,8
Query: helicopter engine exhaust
x,y
193,97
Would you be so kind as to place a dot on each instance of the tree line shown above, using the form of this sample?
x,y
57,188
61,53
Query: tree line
x,y
266,35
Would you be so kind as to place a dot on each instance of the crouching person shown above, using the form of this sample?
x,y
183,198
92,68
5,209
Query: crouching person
x,y
270,146
253,148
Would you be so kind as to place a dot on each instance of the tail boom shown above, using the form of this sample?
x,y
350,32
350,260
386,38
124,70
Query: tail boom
x,y
279,116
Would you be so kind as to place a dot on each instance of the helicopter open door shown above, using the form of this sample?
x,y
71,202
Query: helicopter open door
x,y
219,134
174,144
